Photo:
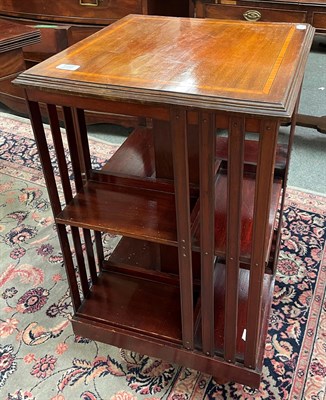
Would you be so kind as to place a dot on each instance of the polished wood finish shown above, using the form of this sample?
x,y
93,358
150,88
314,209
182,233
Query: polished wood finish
x,y
132,302
237,12
149,78
91,12
13,38
64,23
126,204
196,210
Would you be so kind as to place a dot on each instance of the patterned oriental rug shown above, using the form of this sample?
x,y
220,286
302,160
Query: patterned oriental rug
x,y
42,359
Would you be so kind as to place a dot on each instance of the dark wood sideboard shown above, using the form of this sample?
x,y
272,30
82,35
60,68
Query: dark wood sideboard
x,y
65,22
13,38
310,11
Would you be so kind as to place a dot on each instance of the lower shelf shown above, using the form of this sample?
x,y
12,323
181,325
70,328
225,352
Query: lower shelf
x,y
148,303
142,315
136,304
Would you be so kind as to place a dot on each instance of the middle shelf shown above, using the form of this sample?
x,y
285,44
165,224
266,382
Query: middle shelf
x,y
123,210
150,214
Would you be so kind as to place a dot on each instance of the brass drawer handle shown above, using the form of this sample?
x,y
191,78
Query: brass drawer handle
x,y
252,15
87,3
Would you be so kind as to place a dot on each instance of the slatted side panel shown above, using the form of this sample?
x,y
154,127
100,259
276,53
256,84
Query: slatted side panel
x,y
75,163
75,128
207,234
43,149
86,166
82,141
263,190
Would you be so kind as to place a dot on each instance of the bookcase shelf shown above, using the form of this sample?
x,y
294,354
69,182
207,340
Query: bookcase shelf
x,y
247,216
123,210
136,304
136,156
251,153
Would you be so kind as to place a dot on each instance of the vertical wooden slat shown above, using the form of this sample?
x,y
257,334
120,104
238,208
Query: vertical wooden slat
x,y
82,140
60,151
73,148
99,248
80,121
69,266
42,146
263,190
182,201
90,255
207,230
234,202
80,260
36,121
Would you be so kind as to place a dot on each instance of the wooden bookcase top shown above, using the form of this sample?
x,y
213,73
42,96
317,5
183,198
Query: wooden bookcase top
x,y
212,64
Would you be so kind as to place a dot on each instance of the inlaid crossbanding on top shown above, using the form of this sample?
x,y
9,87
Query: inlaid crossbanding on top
x,y
182,61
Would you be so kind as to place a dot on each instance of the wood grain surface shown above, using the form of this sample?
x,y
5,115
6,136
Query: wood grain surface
x,y
214,64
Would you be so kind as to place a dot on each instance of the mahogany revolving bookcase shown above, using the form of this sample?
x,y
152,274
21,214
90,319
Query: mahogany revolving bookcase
x,y
193,195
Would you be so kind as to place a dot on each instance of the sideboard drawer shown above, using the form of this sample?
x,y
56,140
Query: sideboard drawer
x,y
82,11
80,32
221,11
319,20
54,38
